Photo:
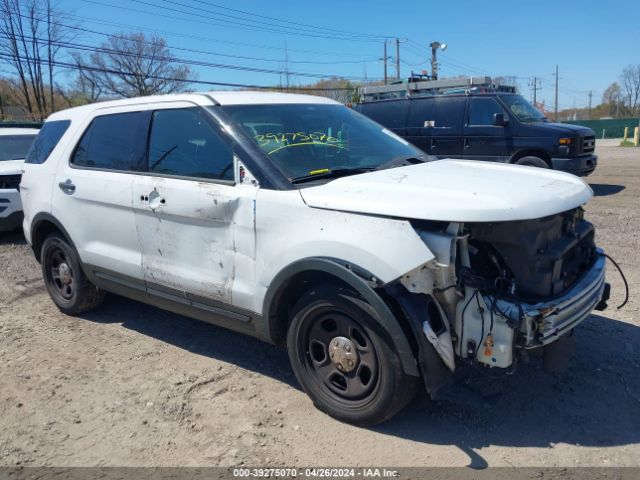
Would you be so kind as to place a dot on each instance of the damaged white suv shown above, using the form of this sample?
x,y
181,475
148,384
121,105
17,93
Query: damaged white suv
x,y
299,221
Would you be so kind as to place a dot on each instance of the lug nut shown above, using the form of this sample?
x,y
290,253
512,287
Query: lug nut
x,y
348,348
350,363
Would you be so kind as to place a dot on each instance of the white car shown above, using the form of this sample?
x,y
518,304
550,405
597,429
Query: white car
x,y
297,220
14,145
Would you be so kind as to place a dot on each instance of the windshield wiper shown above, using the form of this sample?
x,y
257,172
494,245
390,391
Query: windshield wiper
x,y
336,173
402,161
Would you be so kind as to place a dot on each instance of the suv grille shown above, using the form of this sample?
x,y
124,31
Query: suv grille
x,y
588,144
10,181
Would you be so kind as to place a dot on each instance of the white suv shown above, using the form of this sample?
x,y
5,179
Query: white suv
x,y
299,221
14,145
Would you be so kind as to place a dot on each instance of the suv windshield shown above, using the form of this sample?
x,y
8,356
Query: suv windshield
x,y
15,147
317,139
523,109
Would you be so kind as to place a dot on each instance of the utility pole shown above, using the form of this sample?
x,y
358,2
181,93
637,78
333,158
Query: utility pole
x,y
434,61
556,100
384,58
535,87
590,95
397,59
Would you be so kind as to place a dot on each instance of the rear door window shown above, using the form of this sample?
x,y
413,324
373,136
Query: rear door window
x,y
47,139
114,142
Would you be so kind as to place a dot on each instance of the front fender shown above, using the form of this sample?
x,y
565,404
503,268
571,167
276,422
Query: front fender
x,y
357,278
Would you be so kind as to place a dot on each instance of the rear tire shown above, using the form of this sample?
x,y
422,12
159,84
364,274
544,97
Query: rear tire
x,y
344,359
532,162
68,286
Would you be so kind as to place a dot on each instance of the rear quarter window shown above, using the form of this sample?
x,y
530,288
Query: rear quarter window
x,y
47,139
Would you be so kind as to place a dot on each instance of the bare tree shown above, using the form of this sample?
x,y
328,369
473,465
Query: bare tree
x,y
87,81
630,79
31,36
132,65
611,98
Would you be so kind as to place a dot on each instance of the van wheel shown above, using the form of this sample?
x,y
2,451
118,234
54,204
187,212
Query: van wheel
x,y
66,283
344,359
532,162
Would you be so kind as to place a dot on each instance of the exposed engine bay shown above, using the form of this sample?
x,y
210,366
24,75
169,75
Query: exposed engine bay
x,y
509,286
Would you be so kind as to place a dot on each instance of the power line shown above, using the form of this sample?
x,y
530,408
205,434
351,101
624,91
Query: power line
x,y
72,66
222,23
85,19
191,62
287,23
284,21
192,50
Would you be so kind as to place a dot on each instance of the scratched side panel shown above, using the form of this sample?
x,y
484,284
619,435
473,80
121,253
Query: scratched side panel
x,y
188,241
287,230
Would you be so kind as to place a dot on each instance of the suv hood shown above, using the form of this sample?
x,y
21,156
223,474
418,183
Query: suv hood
x,y
453,190
11,167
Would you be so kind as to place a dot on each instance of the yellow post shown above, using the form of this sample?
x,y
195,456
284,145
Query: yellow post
x,y
626,134
636,136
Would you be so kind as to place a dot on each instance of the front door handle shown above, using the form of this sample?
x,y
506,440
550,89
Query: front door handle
x,y
67,186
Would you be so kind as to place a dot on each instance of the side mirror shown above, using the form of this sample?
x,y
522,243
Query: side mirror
x,y
499,120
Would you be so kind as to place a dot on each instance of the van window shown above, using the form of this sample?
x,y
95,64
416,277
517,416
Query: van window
x,y
47,139
183,142
114,142
481,111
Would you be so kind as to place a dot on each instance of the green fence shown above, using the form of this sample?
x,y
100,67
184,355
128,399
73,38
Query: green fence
x,y
612,128
26,124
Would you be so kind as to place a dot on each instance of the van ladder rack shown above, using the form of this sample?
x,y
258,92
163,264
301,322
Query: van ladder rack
x,y
413,87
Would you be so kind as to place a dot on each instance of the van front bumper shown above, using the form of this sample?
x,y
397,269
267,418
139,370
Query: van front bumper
x,y
580,166
545,322
10,210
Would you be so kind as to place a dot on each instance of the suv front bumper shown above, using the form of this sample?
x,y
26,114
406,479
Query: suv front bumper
x,y
545,322
580,166
10,210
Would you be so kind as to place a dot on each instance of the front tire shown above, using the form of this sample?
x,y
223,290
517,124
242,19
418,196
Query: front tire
x,y
68,286
344,359
532,162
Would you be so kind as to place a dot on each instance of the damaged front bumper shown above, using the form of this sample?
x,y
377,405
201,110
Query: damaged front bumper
x,y
544,322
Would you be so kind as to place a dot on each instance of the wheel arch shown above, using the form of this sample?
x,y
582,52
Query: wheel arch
x,y
296,278
42,225
531,153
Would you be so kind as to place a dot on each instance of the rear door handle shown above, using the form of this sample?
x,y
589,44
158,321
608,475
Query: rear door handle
x,y
67,186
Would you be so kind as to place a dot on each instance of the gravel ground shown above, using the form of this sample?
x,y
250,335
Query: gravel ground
x,y
133,385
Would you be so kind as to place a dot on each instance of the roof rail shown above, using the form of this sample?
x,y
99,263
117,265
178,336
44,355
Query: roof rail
x,y
413,88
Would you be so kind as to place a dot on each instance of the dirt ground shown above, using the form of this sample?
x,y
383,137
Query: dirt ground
x,y
133,385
